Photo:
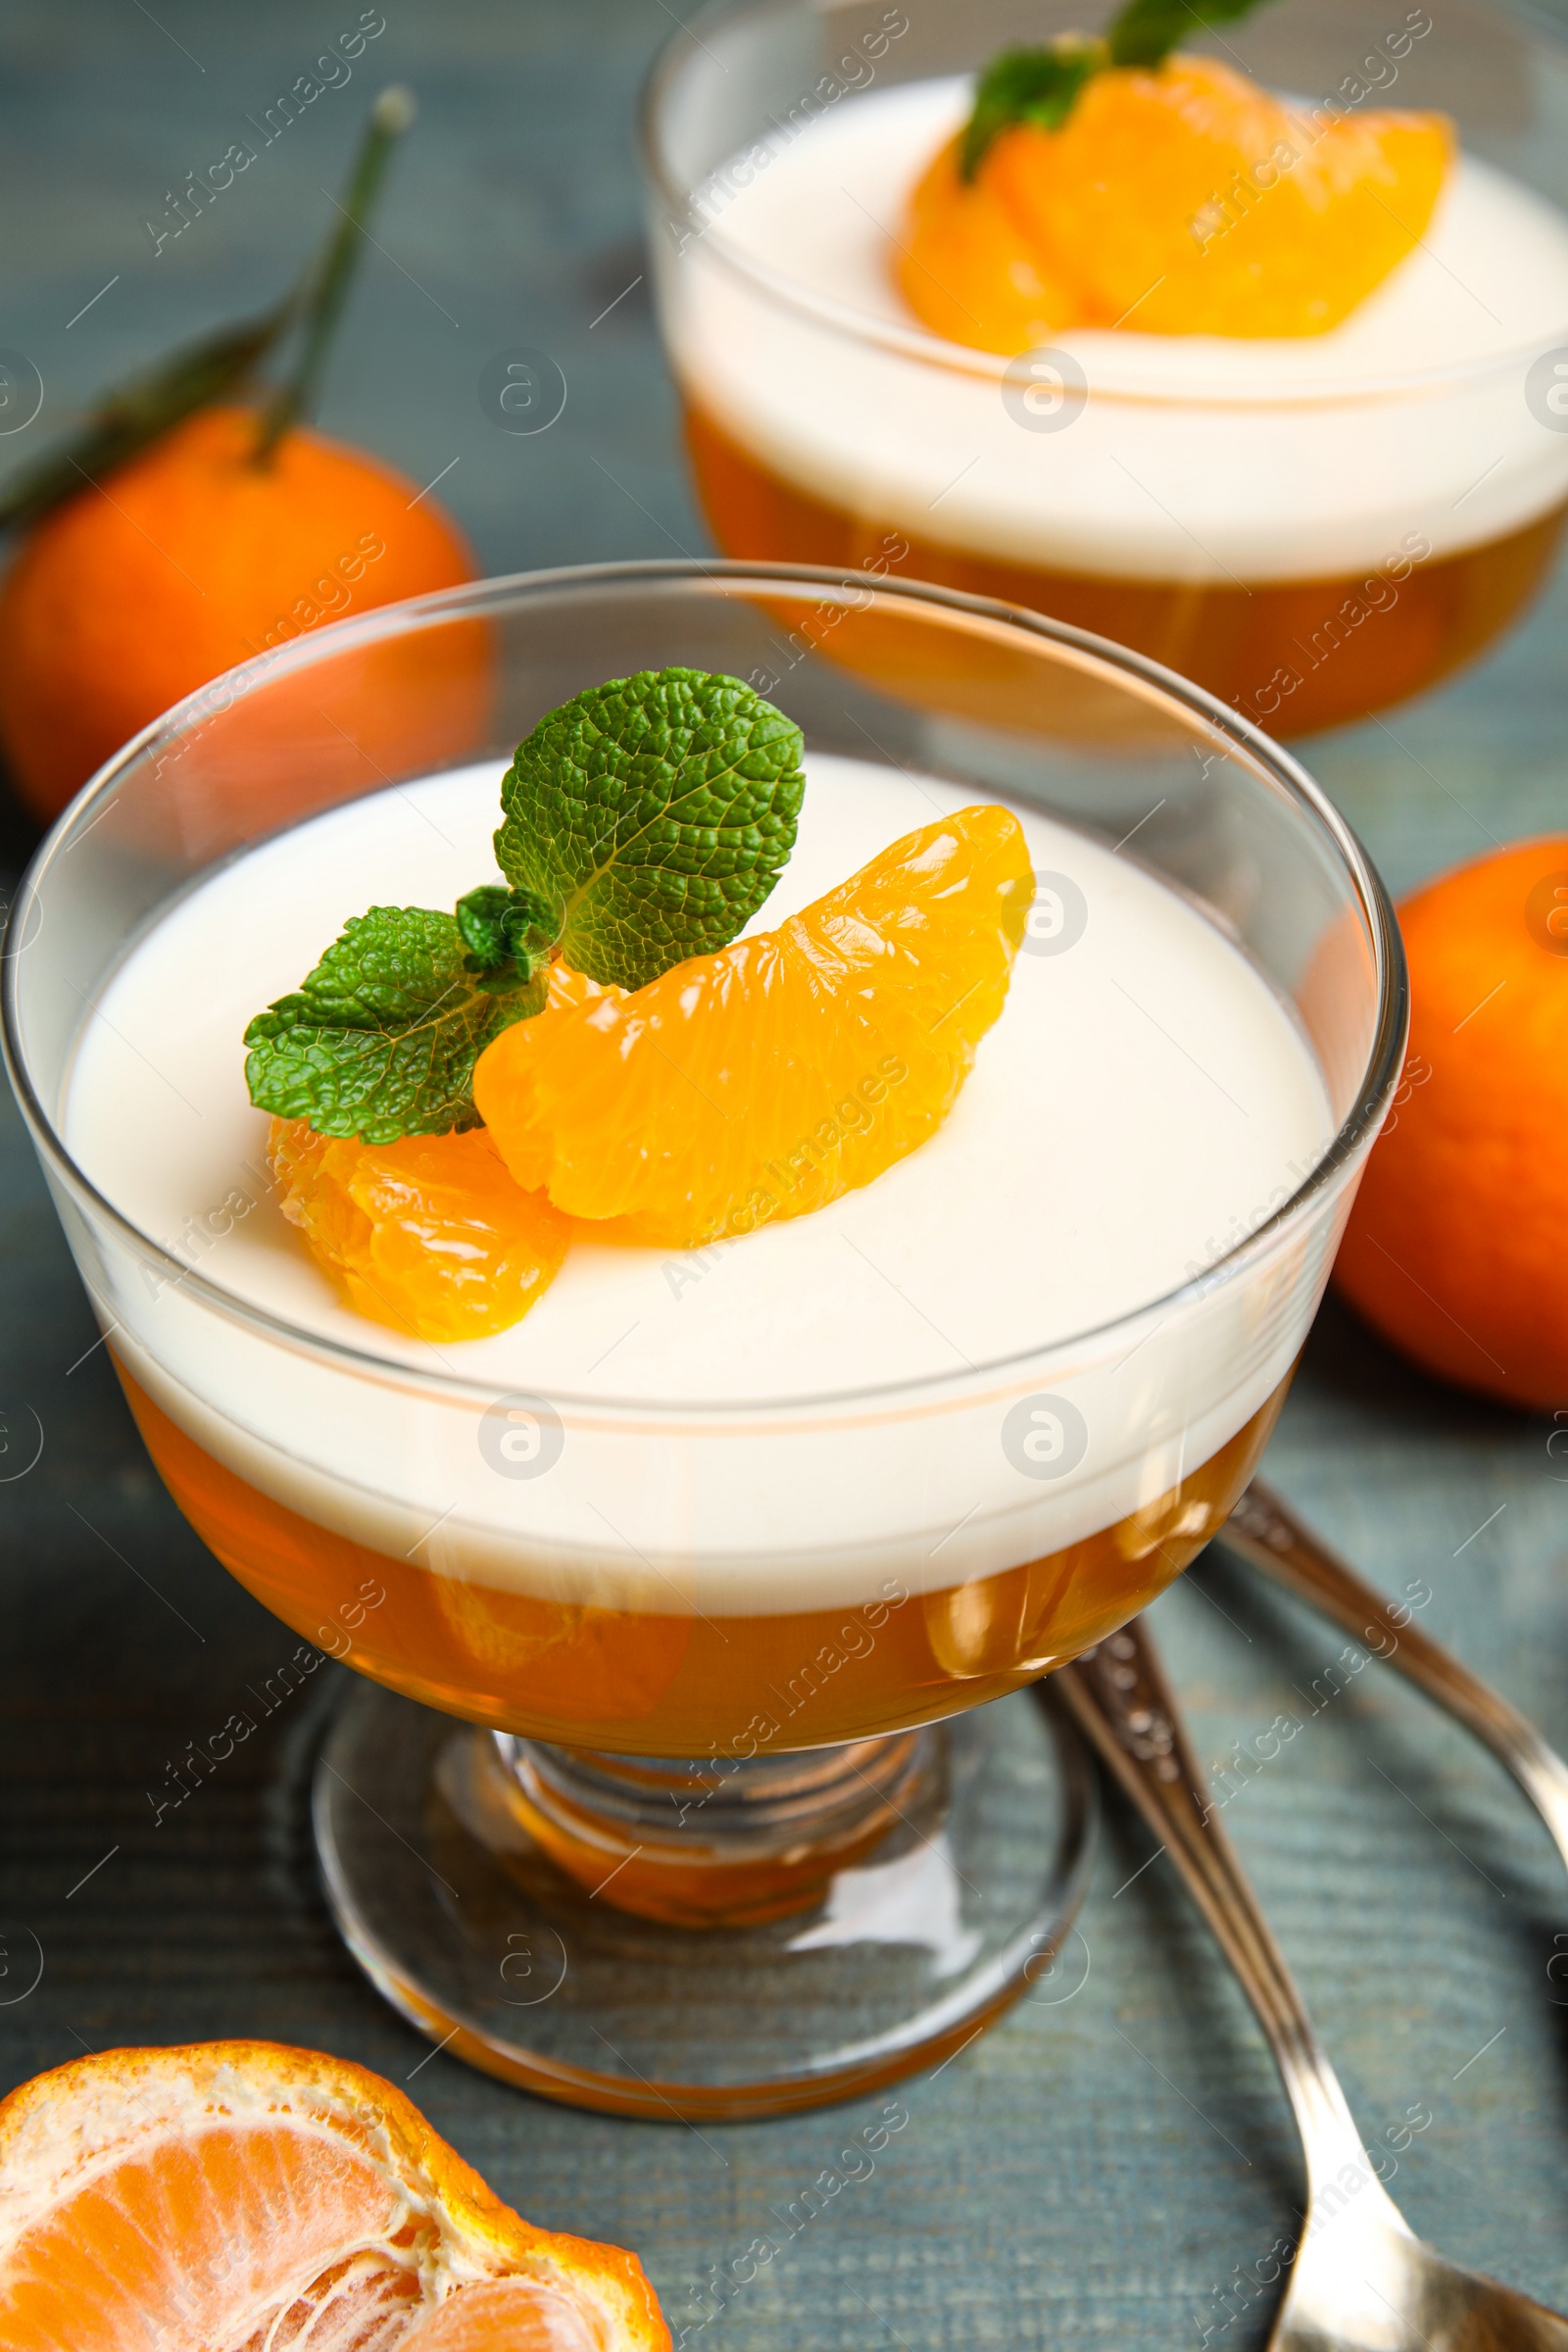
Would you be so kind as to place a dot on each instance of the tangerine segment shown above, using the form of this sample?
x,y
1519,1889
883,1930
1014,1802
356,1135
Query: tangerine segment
x,y
506,2314
242,2195
430,1235
972,272
1185,201
766,1081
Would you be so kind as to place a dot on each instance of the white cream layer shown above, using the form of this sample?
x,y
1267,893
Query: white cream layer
x,y
1143,1100
1196,457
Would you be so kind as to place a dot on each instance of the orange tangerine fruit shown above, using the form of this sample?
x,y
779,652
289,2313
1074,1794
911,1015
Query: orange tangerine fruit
x,y
763,1082
1183,200
190,558
430,1234
1454,1247
243,2194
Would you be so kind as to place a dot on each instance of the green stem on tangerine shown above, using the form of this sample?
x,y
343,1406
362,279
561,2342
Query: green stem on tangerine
x,y
132,415
325,289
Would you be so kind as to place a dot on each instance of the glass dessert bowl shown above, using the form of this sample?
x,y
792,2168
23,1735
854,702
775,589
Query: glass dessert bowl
x,y
724,1548
1313,525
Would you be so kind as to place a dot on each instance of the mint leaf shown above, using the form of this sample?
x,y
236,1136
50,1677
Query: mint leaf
x,y
643,822
650,816
1146,30
1042,85
381,1038
1028,85
504,926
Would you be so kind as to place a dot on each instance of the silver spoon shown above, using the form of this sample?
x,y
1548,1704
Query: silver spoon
x,y
1267,1533
1361,2279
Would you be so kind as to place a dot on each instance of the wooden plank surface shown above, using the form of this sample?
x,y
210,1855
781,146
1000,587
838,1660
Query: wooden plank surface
x,y
1096,2171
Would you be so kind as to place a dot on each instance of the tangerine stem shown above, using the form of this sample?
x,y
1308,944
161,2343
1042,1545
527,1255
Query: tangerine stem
x,y
325,287
130,416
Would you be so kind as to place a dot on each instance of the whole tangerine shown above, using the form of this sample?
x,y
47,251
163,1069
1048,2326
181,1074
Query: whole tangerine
x,y
188,559
1454,1249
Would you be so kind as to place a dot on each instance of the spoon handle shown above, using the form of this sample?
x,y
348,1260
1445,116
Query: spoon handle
x,y
1120,1696
1268,1534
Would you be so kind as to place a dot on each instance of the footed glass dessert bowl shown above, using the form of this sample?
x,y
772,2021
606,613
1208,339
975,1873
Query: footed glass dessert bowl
x,y
693,1768
1251,359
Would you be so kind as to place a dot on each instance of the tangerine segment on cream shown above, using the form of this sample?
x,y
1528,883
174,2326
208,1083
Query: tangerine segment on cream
x,y
1197,457
791,1418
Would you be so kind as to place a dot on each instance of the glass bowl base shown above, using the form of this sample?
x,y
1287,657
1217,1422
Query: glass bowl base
x,y
471,1927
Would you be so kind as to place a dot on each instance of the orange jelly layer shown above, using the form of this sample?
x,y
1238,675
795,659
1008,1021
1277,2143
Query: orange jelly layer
x,y
1295,654
687,1685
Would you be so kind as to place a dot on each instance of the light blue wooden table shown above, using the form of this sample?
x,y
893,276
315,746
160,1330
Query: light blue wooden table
x,y
1097,2170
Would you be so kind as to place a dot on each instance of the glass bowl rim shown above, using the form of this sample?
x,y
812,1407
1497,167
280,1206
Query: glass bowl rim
x,y
919,345
1379,1077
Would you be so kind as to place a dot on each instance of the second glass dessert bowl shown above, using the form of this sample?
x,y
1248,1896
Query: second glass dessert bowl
x,y
726,1549
1312,527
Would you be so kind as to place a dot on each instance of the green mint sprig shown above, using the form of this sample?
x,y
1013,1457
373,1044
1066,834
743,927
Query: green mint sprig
x,y
379,1041
652,815
1028,85
643,822
1042,86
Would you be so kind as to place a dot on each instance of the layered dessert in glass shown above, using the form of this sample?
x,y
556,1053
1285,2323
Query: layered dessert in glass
x,y
1096,378
715,1515
644,1613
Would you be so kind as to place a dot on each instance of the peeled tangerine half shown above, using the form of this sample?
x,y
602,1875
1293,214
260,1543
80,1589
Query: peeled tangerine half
x,y
1185,200
430,1235
764,1081
238,2196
